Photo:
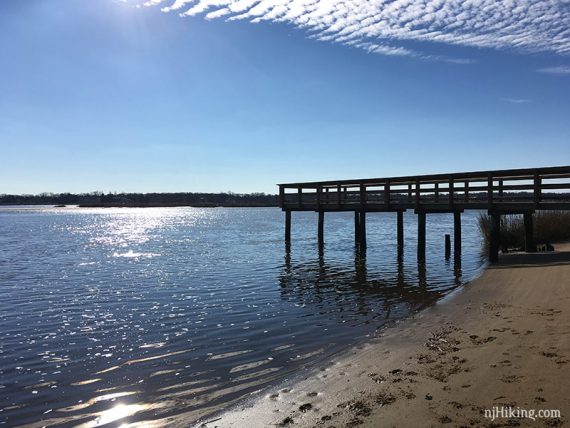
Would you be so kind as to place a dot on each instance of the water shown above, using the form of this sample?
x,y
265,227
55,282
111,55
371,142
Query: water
x,y
111,316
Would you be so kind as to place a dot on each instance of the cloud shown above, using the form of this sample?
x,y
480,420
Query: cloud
x,y
516,100
561,69
385,26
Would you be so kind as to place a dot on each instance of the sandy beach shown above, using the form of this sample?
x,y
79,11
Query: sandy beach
x,y
501,342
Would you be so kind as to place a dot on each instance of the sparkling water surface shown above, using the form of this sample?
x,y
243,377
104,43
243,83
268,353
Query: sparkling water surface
x,y
141,316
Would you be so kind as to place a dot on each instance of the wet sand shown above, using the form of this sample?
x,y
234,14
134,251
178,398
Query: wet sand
x,y
504,340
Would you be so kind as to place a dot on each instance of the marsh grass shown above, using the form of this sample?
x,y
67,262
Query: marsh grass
x,y
549,227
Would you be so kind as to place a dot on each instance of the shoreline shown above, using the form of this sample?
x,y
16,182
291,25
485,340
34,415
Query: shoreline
x,y
502,341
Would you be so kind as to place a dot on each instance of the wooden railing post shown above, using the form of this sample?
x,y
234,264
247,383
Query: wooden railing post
x,y
338,194
387,193
319,190
490,192
451,192
362,195
466,191
410,193
436,192
537,189
417,193
300,196
501,190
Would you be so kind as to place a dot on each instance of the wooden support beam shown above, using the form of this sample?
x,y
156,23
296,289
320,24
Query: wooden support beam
x,y
457,234
529,242
362,232
494,237
338,194
421,236
400,228
356,227
300,196
451,193
321,232
436,192
387,193
467,191
288,226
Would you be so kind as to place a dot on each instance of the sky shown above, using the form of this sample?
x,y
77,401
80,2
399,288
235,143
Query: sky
x,y
239,95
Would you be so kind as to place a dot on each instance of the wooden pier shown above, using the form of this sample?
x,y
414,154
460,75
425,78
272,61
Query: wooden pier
x,y
514,191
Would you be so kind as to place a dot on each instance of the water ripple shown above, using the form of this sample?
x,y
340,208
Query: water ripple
x,y
140,315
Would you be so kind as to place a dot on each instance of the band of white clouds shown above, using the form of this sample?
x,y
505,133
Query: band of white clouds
x,y
562,69
379,26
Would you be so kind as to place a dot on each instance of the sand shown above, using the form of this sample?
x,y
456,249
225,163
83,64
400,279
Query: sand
x,y
502,341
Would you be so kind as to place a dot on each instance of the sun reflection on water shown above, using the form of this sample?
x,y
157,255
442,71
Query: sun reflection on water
x,y
118,412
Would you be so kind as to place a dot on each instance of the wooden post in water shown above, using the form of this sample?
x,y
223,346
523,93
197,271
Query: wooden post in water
x,y
447,246
288,226
400,228
362,232
495,237
356,227
321,228
529,243
457,234
421,236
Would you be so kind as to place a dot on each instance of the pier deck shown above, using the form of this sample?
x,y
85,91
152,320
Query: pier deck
x,y
499,192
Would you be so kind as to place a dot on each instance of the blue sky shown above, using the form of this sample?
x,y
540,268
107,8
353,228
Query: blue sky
x,y
105,95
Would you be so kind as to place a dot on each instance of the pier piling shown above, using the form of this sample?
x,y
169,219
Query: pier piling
x,y
421,236
356,227
321,231
529,243
288,226
447,246
495,237
400,228
362,230
457,233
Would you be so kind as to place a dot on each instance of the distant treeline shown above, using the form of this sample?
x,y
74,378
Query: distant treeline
x,y
100,199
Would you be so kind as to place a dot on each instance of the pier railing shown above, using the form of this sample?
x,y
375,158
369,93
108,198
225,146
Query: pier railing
x,y
514,190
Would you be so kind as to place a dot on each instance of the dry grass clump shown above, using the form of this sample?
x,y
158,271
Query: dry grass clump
x,y
549,227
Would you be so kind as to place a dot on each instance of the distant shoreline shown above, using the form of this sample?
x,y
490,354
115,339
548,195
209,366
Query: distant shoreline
x,y
143,200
